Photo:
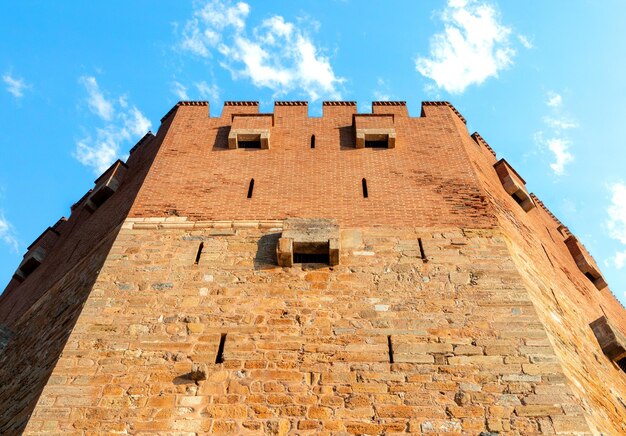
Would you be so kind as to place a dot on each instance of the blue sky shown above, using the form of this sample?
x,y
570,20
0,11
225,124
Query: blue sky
x,y
543,82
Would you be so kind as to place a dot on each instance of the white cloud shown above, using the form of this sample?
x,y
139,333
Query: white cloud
x,y
619,260
473,47
554,99
381,93
527,43
180,91
7,234
617,212
209,92
125,123
556,139
616,222
560,123
560,148
15,85
98,104
275,54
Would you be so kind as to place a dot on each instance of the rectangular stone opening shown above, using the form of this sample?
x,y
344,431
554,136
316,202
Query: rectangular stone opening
x,y
622,364
513,184
611,340
250,131
311,252
252,142
308,240
376,141
29,266
585,262
390,349
100,196
518,199
374,130
364,186
31,262
106,185
311,258
590,276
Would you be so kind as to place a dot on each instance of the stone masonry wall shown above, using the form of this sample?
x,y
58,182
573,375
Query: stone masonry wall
x,y
307,350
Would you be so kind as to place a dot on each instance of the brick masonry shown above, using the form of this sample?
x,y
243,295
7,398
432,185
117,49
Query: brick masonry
x,y
120,330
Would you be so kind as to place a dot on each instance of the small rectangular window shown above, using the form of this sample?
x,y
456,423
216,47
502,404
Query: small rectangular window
x,y
250,144
376,144
311,252
311,258
519,200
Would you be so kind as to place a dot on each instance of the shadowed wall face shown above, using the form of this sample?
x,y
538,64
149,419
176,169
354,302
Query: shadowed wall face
x,y
38,341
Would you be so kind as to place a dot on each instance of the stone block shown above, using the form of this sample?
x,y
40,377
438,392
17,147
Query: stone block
x,y
611,340
308,238
585,262
513,184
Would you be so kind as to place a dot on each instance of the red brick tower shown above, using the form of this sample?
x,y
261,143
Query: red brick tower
x,y
278,273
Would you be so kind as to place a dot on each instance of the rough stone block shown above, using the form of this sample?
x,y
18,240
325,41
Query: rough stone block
x,y
611,340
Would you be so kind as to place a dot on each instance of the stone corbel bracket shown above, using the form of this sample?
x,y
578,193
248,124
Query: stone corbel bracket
x,y
250,128
374,127
513,184
585,263
106,185
308,236
611,340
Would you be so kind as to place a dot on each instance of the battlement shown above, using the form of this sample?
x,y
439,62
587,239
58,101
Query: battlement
x,y
329,108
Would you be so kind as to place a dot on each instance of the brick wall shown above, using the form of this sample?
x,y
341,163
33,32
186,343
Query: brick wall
x,y
426,180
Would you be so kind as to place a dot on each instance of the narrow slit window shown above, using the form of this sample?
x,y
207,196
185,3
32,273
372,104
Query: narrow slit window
x,y
390,349
422,253
219,358
622,364
547,255
312,141
199,253
364,186
250,188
